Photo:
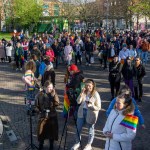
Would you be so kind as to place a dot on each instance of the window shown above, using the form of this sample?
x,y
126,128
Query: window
x,y
56,10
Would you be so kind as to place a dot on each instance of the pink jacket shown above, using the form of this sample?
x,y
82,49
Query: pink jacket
x,y
50,53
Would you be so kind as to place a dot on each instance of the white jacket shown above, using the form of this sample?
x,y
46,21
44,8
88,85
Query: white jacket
x,y
92,110
122,136
9,50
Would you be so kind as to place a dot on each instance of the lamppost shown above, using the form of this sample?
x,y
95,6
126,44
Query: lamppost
x,y
106,4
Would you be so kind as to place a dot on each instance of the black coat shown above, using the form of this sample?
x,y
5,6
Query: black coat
x,y
89,47
49,75
76,79
48,122
114,72
139,72
127,71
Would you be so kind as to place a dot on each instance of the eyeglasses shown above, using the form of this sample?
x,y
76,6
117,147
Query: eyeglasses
x,y
137,60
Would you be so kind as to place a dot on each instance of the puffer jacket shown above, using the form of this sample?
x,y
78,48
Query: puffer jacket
x,y
122,136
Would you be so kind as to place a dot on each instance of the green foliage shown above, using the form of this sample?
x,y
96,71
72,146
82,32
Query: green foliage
x,y
26,12
142,7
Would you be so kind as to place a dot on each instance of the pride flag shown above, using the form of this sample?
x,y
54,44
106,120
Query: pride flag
x,y
130,122
66,105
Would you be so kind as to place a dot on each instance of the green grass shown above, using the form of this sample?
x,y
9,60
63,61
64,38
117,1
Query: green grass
x,y
6,36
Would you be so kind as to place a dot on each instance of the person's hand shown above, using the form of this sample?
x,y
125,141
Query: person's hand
x,y
109,135
82,92
143,126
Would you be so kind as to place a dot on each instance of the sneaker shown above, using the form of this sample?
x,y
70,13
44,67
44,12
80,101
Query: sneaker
x,y
17,69
20,69
88,147
76,146
87,64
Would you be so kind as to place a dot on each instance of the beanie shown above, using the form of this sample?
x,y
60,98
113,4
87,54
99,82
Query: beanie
x,y
73,68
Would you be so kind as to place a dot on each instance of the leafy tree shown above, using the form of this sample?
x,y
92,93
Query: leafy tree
x,y
26,12
69,11
142,7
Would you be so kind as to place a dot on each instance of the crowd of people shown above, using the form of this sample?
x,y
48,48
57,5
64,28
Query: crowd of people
x,y
124,53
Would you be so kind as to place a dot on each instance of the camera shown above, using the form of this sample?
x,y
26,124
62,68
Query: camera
x,y
72,96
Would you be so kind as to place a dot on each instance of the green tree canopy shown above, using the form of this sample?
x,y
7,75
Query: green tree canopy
x,y
26,12
142,7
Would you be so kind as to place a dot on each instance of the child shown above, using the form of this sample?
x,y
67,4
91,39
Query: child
x,y
29,81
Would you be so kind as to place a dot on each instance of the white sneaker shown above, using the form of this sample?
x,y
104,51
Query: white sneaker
x,y
20,69
88,147
76,146
89,64
17,69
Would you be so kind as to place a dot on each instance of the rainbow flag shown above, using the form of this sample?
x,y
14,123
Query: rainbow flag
x,y
66,105
130,122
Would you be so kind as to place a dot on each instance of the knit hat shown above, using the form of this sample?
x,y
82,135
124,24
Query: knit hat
x,y
73,68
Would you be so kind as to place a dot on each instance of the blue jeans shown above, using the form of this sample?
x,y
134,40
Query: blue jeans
x,y
144,57
80,123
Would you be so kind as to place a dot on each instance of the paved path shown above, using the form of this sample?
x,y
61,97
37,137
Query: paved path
x,y
13,113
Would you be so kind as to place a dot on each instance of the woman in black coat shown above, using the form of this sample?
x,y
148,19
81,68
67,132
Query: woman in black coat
x,y
46,103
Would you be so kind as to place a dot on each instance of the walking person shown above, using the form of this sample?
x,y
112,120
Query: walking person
x,y
19,56
25,46
88,51
127,72
56,52
120,127
145,48
46,103
139,73
90,104
114,76
2,52
78,53
9,49
68,51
